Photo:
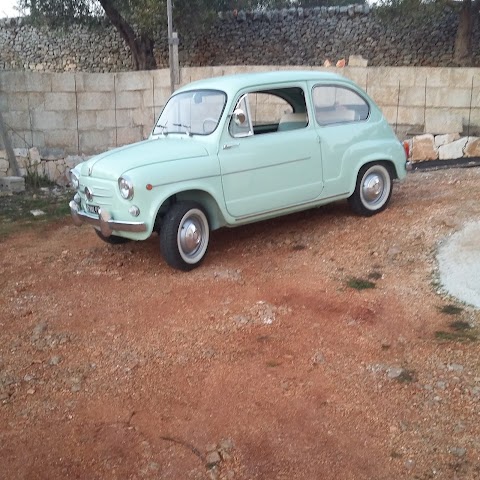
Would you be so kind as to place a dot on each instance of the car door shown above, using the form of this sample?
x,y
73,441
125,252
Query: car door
x,y
270,156
343,122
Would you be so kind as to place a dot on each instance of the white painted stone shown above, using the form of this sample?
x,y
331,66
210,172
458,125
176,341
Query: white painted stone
x,y
3,167
34,155
12,184
472,148
50,170
423,148
20,152
23,162
451,151
357,61
447,138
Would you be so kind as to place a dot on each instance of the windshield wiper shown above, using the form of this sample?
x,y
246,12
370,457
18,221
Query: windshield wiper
x,y
163,127
186,127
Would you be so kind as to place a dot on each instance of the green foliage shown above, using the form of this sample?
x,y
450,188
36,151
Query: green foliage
x,y
407,376
15,210
150,16
414,10
451,309
60,12
461,332
360,284
461,336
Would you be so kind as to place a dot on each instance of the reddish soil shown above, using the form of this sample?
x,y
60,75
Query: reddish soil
x,y
261,364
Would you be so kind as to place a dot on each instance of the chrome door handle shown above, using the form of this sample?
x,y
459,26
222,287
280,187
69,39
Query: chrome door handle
x,y
230,145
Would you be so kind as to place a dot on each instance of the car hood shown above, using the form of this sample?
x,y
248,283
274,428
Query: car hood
x,y
114,163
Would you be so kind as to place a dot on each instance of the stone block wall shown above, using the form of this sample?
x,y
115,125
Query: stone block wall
x,y
72,115
81,113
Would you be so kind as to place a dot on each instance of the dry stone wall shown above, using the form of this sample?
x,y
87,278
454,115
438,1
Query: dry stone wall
x,y
294,36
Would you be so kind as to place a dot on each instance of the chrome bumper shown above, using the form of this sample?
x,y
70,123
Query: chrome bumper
x,y
104,221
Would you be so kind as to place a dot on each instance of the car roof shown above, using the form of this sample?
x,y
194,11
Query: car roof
x,y
233,83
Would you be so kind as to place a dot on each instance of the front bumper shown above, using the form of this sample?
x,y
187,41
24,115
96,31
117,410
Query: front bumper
x,y
103,221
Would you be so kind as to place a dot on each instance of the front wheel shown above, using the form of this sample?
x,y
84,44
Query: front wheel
x,y
184,236
372,191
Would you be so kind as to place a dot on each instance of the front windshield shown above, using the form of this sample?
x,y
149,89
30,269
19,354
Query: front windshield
x,y
196,112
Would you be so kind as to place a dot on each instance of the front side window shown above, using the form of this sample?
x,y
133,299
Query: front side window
x,y
196,112
335,104
269,111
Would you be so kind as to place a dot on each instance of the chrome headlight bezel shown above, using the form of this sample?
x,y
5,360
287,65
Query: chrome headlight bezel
x,y
125,186
74,180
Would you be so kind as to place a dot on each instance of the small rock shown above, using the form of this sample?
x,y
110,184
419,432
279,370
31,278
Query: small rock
x,y
55,360
213,458
409,463
39,329
30,391
318,358
226,444
458,451
454,367
37,213
213,473
28,377
424,148
394,372
393,251
241,319
212,447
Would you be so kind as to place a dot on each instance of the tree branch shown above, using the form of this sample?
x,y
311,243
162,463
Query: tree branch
x,y
140,47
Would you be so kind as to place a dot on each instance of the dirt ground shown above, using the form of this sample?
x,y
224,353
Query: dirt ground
x,y
270,361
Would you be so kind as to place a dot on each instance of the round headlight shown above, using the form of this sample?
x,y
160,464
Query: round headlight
x,y
126,187
74,180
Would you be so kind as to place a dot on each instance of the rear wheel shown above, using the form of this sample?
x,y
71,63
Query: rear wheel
x,y
372,191
112,239
184,235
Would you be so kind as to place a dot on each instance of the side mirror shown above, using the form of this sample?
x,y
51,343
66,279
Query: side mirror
x,y
239,117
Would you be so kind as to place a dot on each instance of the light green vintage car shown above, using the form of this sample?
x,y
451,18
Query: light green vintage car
x,y
237,149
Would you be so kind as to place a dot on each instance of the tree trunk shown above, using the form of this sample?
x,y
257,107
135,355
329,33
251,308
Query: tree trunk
x,y
463,39
141,46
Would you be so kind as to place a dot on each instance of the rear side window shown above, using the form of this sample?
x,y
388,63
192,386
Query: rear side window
x,y
335,105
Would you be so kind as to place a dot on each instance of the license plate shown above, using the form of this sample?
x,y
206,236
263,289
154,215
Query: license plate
x,y
93,209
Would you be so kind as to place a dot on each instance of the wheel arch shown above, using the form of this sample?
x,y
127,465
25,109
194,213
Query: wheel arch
x,y
388,164
208,202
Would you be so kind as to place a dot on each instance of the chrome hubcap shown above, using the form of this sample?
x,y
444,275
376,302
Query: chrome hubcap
x,y
191,235
373,187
